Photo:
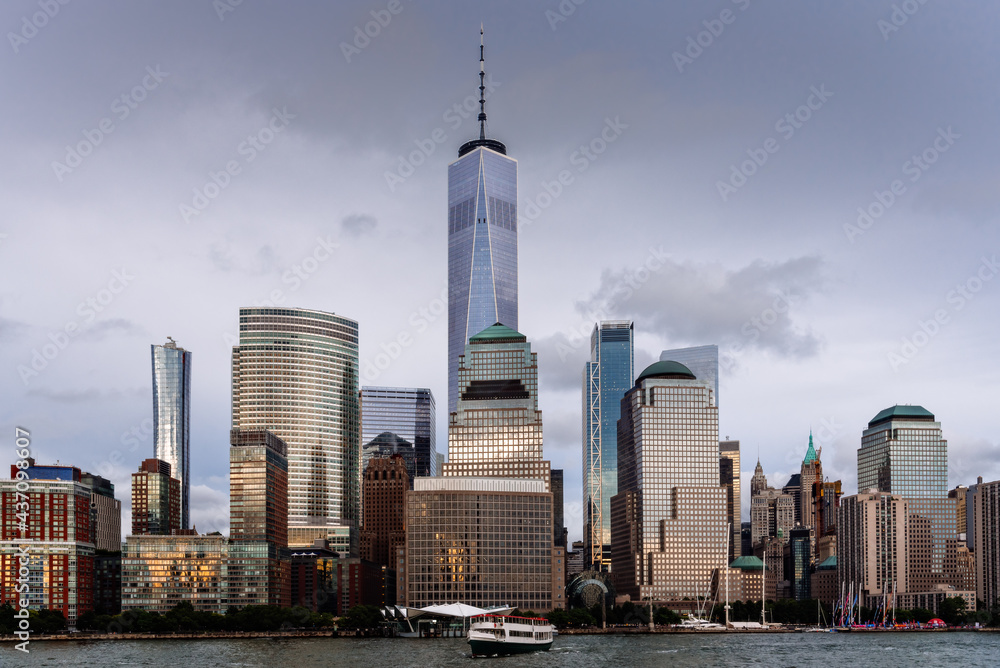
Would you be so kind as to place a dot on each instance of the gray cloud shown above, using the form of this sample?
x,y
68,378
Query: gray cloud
x,y
358,225
705,302
111,329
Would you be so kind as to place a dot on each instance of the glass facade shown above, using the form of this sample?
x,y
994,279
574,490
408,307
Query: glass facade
x,y
729,476
156,500
172,415
481,541
158,572
669,517
295,373
496,429
59,531
702,360
902,452
606,379
409,414
482,250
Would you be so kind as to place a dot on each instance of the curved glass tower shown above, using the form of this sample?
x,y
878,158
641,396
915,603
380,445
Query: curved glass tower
x,y
172,415
295,373
482,241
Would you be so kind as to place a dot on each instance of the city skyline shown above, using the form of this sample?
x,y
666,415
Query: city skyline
x,y
643,232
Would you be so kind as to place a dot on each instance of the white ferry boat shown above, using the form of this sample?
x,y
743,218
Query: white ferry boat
x,y
501,635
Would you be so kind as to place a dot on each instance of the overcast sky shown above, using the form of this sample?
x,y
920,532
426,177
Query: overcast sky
x,y
168,163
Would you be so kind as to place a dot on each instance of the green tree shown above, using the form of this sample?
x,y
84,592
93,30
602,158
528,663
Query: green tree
x,y
952,610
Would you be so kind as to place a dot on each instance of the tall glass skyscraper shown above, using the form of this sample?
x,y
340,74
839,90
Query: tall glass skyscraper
x,y
669,515
702,360
407,412
902,452
606,379
482,242
497,428
295,373
172,415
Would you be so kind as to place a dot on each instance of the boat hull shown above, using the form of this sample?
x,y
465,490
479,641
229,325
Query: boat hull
x,y
505,648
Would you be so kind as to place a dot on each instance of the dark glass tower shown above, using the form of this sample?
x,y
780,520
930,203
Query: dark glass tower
x,y
172,415
482,241
606,379
407,415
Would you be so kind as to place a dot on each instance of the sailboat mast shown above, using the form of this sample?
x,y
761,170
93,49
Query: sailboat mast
x,y
729,536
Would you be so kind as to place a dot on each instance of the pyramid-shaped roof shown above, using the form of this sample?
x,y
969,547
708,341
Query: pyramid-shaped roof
x,y
498,332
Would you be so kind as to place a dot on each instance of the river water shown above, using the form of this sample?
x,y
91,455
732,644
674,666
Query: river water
x,y
848,650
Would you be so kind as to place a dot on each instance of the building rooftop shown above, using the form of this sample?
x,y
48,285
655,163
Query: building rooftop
x,y
748,563
901,413
666,369
497,332
829,564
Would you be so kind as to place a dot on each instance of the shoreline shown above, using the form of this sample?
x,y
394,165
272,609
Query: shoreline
x,y
331,633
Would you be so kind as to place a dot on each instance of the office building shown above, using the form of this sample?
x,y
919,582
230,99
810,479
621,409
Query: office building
x,y
258,519
408,414
105,512
986,511
960,494
295,373
108,581
482,242
158,572
156,500
385,445
798,563
384,530
668,519
496,429
744,577
729,476
482,541
872,538
702,360
810,471
902,452
772,515
172,415
606,378
59,530
558,520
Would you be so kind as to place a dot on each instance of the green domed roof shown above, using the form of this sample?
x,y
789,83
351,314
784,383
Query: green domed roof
x,y
498,332
666,369
902,413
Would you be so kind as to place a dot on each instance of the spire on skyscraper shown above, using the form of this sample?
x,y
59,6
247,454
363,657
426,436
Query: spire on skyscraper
x,y
491,144
811,452
482,85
